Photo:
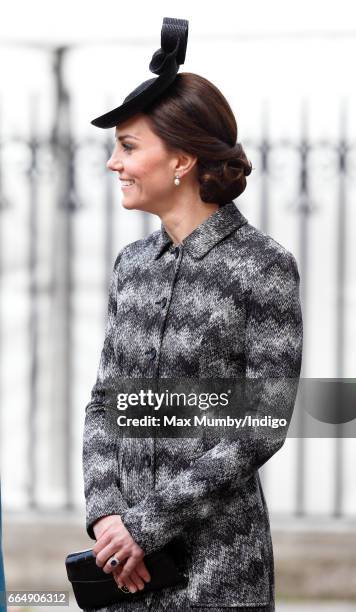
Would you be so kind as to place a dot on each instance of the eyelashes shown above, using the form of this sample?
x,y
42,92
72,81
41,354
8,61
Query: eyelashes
x,y
125,145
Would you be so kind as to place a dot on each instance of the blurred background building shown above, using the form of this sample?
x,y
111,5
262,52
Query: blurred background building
x,y
286,70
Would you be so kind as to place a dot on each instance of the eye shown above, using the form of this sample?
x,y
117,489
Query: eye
x,y
127,147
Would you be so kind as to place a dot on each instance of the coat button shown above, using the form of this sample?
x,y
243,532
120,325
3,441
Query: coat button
x,y
163,302
176,252
147,461
151,353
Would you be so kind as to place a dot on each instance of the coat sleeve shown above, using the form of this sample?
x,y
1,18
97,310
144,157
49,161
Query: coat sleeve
x,y
100,440
273,355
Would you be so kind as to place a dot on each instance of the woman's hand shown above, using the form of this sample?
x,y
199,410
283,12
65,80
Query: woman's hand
x,y
114,539
135,580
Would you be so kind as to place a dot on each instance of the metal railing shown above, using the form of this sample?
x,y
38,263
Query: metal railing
x,y
59,155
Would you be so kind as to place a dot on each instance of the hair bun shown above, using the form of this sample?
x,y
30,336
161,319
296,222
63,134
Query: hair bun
x,y
223,181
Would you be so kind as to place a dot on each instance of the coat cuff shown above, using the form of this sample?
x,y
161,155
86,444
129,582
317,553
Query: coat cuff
x,y
149,534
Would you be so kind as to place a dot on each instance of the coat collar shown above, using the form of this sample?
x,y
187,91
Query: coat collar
x,y
204,237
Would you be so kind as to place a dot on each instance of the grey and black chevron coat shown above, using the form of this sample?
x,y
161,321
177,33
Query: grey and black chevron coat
x,y
222,302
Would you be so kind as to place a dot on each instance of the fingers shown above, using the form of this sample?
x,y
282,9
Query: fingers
x,y
127,583
108,567
116,539
139,583
142,571
103,544
132,582
110,526
129,566
103,558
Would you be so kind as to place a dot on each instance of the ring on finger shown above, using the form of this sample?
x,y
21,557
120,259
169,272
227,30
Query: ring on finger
x,y
114,561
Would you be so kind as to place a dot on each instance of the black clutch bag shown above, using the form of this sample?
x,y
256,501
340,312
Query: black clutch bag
x,y
93,588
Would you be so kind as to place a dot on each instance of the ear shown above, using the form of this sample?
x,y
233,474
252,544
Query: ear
x,y
184,163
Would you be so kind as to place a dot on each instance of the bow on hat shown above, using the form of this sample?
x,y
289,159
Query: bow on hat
x,y
165,62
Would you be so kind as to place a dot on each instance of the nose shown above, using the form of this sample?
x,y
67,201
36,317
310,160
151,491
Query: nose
x,y
114,163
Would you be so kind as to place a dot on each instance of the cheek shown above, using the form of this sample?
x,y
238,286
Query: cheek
x,y
155,175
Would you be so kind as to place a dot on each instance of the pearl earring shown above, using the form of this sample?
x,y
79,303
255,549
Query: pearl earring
x,y
177,180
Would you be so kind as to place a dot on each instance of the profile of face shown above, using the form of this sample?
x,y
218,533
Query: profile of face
x,y
141,157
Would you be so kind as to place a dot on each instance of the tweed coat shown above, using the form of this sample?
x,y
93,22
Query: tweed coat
x,y
225,301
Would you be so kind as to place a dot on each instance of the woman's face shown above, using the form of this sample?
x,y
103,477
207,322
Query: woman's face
x,y
140,156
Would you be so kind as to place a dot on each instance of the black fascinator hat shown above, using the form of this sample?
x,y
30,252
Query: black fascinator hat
x,y
165,62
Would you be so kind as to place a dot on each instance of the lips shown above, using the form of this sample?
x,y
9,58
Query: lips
x,y
126,186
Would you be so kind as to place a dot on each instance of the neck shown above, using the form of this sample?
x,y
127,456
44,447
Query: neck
x,y
183,217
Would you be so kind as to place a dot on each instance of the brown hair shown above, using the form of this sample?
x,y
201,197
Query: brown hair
x,y
192,115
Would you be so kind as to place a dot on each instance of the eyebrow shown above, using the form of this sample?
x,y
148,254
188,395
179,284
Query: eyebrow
x,y
126,136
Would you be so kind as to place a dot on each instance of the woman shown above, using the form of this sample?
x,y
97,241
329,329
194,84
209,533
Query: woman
x,y
206,296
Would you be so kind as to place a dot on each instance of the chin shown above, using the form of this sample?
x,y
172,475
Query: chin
x,y
136,204
129,202
132,204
